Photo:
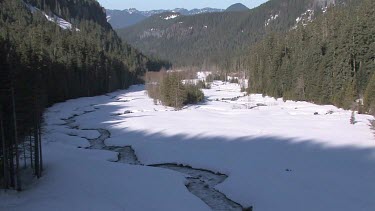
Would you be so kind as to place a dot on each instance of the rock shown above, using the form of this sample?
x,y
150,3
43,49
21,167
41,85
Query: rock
x,y
329,112
261,104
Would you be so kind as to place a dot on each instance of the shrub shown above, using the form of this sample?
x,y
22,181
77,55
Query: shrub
x,y
219,77
203,85
243,89
193,94
169,89
234,80
210,78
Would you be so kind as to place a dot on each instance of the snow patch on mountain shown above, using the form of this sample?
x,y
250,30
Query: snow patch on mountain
x,y
153,32
309,16
170,17
272,18
132,10
306,17
324,9
60,22
204,10
182,11
53,18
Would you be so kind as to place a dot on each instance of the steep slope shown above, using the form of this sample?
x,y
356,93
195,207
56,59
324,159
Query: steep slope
x,y
122,19
237,8
52,51
215,39
74,11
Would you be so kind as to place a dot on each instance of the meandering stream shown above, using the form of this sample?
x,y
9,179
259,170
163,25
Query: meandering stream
x,y
200,182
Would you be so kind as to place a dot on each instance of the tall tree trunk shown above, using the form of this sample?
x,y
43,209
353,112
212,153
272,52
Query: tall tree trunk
x,y
16,170
31,150
36,150
40,149
5,157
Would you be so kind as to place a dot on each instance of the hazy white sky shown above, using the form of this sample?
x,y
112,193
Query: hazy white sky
x,y
172,4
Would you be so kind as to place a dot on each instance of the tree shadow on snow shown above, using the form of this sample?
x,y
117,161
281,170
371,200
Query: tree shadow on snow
x,y
315,176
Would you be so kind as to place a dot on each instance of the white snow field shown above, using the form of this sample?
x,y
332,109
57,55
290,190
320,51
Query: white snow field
x,y
277,155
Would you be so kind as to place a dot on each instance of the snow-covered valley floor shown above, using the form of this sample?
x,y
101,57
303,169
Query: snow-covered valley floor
x,y
277,155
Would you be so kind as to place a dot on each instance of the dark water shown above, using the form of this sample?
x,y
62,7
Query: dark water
x,y
200,182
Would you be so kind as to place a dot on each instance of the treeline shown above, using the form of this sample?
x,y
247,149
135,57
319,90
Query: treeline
x,y
74,11
170,89
42,64
330,61
218,40
155,64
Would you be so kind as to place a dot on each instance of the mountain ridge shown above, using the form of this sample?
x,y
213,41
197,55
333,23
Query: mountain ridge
x,y
211,38
128,17
238,7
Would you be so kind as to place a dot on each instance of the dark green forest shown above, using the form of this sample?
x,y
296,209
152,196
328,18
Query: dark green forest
x,y
327,58
217,40
329,61
42,64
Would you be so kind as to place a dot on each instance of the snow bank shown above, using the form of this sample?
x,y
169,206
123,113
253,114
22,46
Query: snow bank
x,y
278,155
84,180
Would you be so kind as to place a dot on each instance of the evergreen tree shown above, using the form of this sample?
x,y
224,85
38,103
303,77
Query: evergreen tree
x,y
330,61
42,64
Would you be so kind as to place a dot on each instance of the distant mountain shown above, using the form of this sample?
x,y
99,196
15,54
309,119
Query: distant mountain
x,y
213,38
237,8
121,19
128,17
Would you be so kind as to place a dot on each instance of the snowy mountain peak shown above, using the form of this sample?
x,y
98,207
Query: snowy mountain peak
x,y
132,10
128,17
182,11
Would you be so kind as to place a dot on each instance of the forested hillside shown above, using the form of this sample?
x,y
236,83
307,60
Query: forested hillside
x,y
124,18
315,50
330,61
51,51
220,39
237,8
121,19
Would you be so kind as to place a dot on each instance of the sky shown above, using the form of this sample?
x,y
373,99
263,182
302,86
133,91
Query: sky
x,y
172,4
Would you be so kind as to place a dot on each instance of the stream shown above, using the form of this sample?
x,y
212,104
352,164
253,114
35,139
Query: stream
x,y
200,182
